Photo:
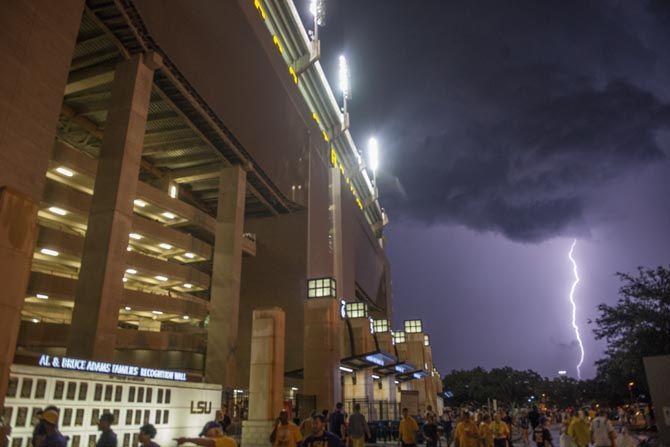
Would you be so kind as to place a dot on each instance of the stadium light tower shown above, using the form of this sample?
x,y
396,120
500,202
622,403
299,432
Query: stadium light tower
x,y
373,161
345,87
318,10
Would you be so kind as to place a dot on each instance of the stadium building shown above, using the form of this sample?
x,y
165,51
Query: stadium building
x,y
166,168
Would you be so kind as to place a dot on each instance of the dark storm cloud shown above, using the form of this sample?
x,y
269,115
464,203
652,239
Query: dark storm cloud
x,y
512,115
529,173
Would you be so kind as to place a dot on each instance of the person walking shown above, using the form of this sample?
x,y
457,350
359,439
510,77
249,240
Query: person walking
x,y
579,430
51,437
407,430
602,432
107,437
358,428
501,431
212,436
541,433
524,424
448,425
285,433
321,437
466,433
486,431
430,433
147,435
336,421
534,418
307,426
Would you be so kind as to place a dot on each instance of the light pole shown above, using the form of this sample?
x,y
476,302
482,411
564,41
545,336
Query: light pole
x,y
345,88
373,162
631,384
318,10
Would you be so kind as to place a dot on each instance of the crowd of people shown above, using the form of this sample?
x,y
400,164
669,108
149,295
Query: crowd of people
x,y
463,427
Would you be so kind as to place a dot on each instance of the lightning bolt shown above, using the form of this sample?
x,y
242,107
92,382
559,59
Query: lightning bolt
x,y
574,308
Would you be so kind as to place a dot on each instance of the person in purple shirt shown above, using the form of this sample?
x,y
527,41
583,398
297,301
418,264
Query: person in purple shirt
x,y
52,437
147,435
321,437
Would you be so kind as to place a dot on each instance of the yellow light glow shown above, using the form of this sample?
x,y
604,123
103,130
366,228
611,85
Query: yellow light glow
x,y
189,255
140,203
62,170
359,203
277,43
135,236
291,70
315,117
49,252
59,211
260,9
333,156
325,136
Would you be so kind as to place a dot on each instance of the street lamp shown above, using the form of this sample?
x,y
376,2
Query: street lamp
x,y
631,384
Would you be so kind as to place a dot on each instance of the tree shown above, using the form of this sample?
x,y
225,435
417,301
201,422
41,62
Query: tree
x,y
636,327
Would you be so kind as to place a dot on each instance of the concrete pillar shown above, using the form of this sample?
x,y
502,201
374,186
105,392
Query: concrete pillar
x,y
18,215
37,39
266,380
416,356
362,390
99,288
323,334
387,392
226,276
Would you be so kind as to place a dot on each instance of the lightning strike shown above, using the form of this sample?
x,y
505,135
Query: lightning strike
x,y
574,308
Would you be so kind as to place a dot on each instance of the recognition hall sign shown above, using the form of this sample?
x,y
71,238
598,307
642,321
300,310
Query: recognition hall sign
x,y
115,369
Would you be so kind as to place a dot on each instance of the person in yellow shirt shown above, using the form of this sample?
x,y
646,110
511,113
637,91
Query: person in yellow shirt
x,y
486,432
580,430
500,431
467,433
408,429
214,437
285,433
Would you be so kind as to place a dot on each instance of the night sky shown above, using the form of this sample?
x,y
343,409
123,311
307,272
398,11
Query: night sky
x,y
508,128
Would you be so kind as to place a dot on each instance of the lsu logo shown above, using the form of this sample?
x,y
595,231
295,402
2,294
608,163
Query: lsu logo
x,y
201,407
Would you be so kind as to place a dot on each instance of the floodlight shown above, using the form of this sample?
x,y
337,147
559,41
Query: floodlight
x,y
373,155
344,77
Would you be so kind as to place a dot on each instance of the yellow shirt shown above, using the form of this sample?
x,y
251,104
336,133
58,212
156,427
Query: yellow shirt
x,y
467,434
407,430
287,435
224,441
500,429
580,431
486,433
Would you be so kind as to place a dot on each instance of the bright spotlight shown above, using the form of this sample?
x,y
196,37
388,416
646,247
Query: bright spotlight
x,y
373,155
318,9
344,76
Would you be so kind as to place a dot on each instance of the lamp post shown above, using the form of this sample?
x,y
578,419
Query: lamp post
x,y
631,384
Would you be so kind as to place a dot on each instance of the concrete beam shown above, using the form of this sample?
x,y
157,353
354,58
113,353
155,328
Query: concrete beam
x,y
88,78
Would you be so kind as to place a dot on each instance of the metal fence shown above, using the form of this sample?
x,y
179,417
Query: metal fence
x,y
375,410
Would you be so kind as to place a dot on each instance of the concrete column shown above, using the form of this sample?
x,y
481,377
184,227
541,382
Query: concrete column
x,y
99,288
363,388
323,334
226,276
37,39
18,215
416,356
388,390
266,380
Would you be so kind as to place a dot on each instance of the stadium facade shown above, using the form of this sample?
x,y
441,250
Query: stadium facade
x,y
168,167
